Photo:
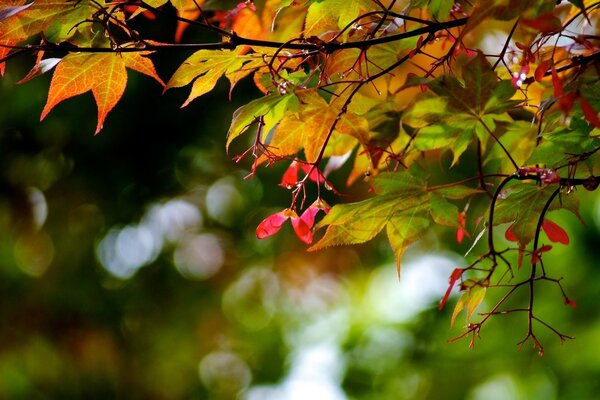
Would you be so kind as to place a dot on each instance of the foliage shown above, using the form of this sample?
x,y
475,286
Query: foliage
x,y
381,90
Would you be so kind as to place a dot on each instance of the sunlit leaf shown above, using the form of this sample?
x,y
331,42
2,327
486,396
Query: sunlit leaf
x,y
442,211
402,205
470,299
271,108
307,128
205,67
102,73
461,111
57,18
331,15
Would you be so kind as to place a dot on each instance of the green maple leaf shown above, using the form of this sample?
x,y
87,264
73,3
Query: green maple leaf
x,y
439,9
205,67
404,206
271,108
523,204
456,113
326,15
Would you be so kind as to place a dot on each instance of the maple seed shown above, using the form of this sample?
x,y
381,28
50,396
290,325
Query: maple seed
x,y
555,233
302,224
461,231
509,234
272,224
456,274
570,302
536,257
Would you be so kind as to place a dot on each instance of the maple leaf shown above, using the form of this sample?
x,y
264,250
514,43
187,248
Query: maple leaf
x,y
307,128
523,206
58,19
498,9
271,108
189,10
103,73
332,15
5,48
205,67
461,111
6,12
439,9
557,146
470,299
404,205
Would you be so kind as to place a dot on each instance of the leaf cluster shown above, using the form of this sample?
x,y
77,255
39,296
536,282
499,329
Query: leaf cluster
x,y
375,88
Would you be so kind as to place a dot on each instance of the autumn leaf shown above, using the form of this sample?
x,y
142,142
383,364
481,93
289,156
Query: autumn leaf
x,y
442,211
205,67
41,67
558,145
305,128
103,73
189,10
5,49
9,11
332,15
401,205
503,10
59,20
470,299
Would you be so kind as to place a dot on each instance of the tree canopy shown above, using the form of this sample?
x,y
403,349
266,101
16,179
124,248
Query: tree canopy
x,y
386,116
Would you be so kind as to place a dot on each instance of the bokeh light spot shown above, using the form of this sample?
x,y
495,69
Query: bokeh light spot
x,y
200,256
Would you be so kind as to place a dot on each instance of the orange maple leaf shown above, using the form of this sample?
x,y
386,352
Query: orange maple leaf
x,y
102,73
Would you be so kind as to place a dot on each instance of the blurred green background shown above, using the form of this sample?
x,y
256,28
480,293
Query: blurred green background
x,y
129,268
